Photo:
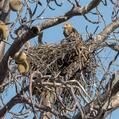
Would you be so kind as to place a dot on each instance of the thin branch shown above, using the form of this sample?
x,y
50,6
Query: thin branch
x,y
35,30
101,37
103,98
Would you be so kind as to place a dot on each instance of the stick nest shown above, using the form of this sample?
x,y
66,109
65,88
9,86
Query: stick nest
x,y
63,71
63,75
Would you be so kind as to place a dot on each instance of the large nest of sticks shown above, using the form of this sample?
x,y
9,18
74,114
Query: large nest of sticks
x,y
63,70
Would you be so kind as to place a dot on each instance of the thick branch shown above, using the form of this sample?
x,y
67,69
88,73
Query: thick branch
x,y
49,23
2,48
9,105
95,43
15,100
4,16
73,12
109,99
107,30
18,43
84,10
20,99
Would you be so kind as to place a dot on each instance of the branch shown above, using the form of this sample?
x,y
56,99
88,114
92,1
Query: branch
x,y
101,37
73,12
4,16
113,46
18,43
20,99
84,10
106,102
37,29
15,100
107,30
2,48
9,105
1,3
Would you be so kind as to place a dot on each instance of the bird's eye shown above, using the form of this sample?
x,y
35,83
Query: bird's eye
x,y
66,24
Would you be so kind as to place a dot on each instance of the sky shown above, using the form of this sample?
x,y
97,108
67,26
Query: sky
x,y
55,34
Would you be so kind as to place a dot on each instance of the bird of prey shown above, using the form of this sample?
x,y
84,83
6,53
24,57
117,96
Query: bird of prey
x,y
23,67
70,33
4,31
20,57
21,61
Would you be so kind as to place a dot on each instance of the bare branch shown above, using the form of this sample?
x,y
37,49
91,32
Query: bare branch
x,y
49,23
107,30
114,85
101,37
63,77
73,12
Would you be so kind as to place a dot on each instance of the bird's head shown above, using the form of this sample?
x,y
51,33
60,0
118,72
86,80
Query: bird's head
x,y
68,27
20,57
